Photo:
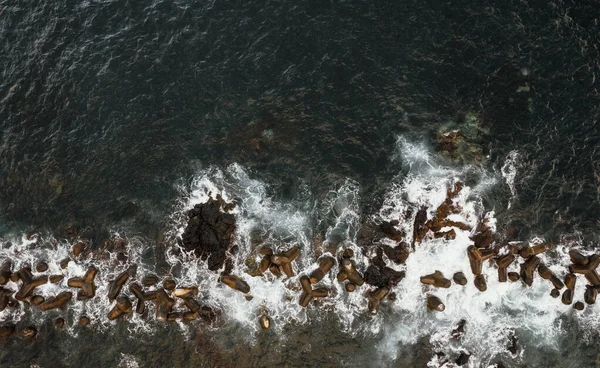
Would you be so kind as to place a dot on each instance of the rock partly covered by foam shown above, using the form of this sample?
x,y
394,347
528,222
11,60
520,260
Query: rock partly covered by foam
x,y
209,232
379,274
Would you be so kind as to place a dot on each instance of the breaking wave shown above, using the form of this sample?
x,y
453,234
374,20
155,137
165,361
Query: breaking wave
x,y
496,322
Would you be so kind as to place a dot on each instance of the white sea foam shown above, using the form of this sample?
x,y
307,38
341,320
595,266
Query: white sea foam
x,y
492,316
128,361
509,173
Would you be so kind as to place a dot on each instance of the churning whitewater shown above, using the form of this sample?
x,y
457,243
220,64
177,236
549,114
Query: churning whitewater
x,y
474,323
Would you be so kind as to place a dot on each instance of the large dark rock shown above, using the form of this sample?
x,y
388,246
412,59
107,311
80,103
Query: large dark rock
x,y
389,229
397,254
420,227
379,274
209,232
382,277
463,359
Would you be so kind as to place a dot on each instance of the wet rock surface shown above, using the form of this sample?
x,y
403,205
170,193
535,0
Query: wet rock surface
x,y
209,232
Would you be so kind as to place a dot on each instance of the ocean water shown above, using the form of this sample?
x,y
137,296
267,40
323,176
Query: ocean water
x,y
320,120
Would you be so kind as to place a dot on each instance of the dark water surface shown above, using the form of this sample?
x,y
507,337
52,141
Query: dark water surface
x,y
107,106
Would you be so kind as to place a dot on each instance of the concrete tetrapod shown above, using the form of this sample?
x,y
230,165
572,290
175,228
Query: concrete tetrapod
x,y
321,271
308,293
5,272
528,268
56,302
480,283
122,307
285,259
567,297
136,290
589,269
436,279
503,262
578,258
528,251
460,278
236,283
375,297
475,259
117,284
590,295
546,274
348,272
435,304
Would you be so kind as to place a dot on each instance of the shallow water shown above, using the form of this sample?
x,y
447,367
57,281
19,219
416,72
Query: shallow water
x,y
322,119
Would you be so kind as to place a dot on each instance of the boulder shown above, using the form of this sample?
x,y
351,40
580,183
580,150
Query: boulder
x,y
382,277
209,232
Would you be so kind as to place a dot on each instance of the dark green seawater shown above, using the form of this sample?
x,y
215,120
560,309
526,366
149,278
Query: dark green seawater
x,y
107,108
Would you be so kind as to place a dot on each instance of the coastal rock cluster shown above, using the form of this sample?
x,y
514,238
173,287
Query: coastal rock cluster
x,y
172,302
210,235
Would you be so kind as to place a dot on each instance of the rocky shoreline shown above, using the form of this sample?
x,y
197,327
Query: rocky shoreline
x,y
210,236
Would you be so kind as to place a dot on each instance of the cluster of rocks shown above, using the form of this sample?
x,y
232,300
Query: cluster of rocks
x,y
484,249
531,263
276,263
209,235
162,296
29,283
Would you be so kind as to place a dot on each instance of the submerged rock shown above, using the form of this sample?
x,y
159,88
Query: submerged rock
x,y
398,254
459,331
462,359
59,322
265,322
209,232
420,227
150,280
29,332
7,330
389,229
41,267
